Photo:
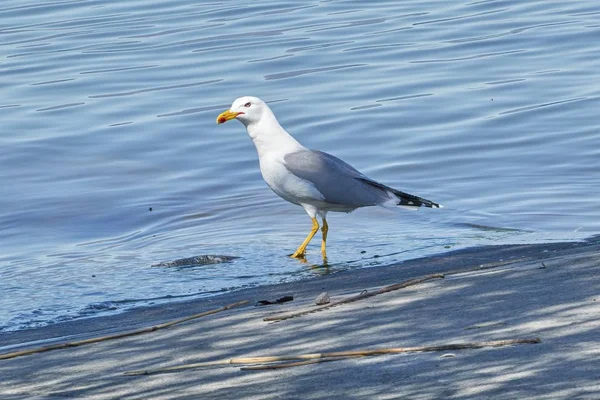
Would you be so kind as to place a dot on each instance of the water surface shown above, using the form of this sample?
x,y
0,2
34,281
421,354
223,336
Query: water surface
x,y
108,110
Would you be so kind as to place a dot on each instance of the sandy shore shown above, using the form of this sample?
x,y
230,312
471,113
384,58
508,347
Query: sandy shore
x,y
548,291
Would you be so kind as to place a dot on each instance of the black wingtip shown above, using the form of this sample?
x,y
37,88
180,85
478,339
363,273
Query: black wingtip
x,y
409,200
404,199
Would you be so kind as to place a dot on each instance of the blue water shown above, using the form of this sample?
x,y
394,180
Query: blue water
x,y
108,109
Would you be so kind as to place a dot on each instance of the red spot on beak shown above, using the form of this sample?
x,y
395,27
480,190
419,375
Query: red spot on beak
x,y
226,116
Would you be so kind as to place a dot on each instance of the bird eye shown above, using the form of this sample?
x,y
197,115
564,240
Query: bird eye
x,y
248,104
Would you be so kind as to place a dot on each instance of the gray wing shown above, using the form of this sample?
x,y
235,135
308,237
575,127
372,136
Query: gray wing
x,y
340,183
337,181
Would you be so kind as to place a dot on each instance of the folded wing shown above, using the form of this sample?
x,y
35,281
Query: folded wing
x,y
341,184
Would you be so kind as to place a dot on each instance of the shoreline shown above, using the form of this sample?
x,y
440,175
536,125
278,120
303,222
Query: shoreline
x,y
134,318
488,294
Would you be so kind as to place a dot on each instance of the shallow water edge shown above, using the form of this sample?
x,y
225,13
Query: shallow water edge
x,y
352,281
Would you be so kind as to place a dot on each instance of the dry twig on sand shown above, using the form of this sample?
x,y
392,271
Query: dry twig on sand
x,y
361,296
487,266
140,331
292,364
333,356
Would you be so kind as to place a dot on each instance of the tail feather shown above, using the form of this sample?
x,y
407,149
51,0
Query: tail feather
x,y
404,199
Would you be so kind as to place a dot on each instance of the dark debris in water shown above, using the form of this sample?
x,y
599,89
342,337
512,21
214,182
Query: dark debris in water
x,y
102,306
197,261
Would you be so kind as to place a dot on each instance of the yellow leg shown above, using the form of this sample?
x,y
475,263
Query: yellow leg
x,y
299,253
324,229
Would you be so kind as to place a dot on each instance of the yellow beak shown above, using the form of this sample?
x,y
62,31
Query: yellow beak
x,y
226,116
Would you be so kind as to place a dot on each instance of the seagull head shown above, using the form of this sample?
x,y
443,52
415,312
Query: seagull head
x,y
248,110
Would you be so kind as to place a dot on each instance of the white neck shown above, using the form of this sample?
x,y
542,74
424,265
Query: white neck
x,y
269,136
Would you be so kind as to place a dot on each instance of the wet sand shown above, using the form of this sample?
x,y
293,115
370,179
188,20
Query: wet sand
x,y
550,291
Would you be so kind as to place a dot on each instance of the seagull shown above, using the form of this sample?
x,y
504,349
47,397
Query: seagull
x,y
312,179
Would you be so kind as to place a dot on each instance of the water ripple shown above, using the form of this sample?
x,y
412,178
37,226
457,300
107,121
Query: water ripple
x,y
461,17
270,58
406,97
195,110
60,106
466,58
119,69
537,106
155,89
379,46
53,81
350,24
317,46
293,74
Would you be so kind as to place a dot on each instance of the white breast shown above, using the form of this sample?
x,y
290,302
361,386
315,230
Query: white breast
x,y
272,144
285,184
